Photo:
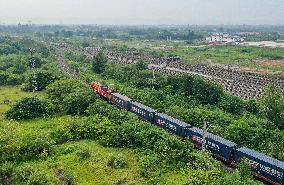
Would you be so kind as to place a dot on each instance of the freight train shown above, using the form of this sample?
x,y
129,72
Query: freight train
x,y
264,167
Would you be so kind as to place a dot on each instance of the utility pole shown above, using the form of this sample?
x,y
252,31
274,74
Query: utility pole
x,y
153,79
33,67
204,135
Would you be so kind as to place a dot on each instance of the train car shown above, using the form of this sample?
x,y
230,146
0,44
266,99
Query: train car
x,y
120,100
171,124
143,111
264,167
218,146
101,90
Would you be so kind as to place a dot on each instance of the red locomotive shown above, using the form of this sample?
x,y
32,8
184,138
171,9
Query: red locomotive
x,y
105,92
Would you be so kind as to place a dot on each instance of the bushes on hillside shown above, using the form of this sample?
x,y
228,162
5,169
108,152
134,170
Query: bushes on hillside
x,y
7,78
28,108
232,104
42,80
33,175
100,107
272,106
27,147
99,63
70,96
76,103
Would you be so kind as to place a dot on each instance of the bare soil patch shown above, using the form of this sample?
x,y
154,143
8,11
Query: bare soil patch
x,y
270,63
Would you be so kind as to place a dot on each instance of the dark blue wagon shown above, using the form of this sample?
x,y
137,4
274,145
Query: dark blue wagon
x,y
120,100
142,111
263,166
220,147
171,124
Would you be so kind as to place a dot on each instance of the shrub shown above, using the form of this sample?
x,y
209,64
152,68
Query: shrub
x,y
99,63
6,173
85,153
70,96
31,175
86,128
272,106
14,79
245,170
42,78
102,108
141,65
116,162
232,104
28,147
76,103
3,78
28,108
70,178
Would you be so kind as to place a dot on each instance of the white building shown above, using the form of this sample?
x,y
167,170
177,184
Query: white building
x,y
223,38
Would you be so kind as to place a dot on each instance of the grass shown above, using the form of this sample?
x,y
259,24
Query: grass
x,y
12,93
84,162
71,158
93,170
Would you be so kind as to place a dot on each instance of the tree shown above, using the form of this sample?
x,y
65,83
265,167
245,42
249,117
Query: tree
x,y
43,79
272,106
14,79
69,95
99,63
85,44
37,61
76,103
3,78
232,104
28,108
141,65
245,170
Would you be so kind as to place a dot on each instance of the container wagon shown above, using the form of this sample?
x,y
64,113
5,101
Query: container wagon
x,y
171,124
120,100
262,166
218,146
143,111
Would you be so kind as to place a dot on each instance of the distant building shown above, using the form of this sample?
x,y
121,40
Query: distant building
x,y
223,38
248,33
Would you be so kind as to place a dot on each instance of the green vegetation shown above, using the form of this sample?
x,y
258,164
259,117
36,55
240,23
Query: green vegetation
x,y
99,63
10,95
195,101
28,108
71,136
80,150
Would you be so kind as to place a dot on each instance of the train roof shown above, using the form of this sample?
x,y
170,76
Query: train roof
x,y
143,106
121,96
262,157
214,137
174,120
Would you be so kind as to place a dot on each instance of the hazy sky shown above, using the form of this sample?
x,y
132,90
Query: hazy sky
x,y
142,11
